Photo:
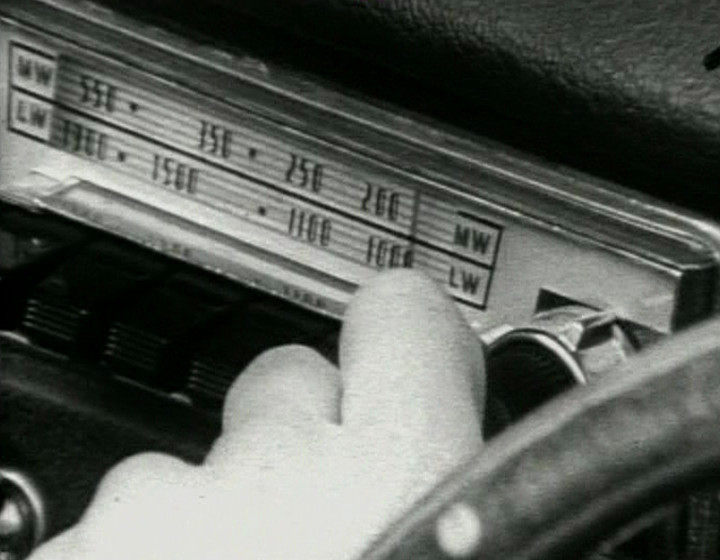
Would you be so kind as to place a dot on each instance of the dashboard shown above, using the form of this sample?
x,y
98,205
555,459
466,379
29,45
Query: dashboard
x,y
164,193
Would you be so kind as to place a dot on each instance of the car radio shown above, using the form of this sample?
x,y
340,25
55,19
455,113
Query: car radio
x,y
153,171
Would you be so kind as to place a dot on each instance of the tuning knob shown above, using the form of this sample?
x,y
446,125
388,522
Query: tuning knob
x,y
22,515
559,349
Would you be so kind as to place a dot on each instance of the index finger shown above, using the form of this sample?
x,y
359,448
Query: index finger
x,y
412,369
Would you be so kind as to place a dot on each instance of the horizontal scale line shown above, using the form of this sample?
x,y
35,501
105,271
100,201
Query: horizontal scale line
x,y
258,181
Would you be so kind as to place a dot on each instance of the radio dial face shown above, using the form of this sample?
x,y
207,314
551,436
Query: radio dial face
x,y
260,175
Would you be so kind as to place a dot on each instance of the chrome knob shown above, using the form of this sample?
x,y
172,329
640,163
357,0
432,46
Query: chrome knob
x,y
22,515
558,349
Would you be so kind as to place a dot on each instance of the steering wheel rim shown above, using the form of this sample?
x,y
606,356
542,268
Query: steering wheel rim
x,y
570,474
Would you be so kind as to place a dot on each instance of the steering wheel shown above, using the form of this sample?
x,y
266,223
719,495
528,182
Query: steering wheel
x,y
556,483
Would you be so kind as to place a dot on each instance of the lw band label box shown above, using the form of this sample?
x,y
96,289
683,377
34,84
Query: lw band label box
x,y
31,116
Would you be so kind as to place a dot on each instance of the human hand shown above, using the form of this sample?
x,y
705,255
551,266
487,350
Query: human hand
x,y
314,461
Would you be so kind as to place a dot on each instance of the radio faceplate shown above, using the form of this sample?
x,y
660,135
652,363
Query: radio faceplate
x,y
255,173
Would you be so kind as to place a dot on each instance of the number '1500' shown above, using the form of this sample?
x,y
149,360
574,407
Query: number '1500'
x,y
172,173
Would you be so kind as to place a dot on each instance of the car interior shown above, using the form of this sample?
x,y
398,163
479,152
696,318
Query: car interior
x,y
186,185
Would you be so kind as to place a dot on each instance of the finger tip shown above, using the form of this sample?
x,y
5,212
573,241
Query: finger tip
x,y
402,281
141,469
403,302
392,294
291,372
